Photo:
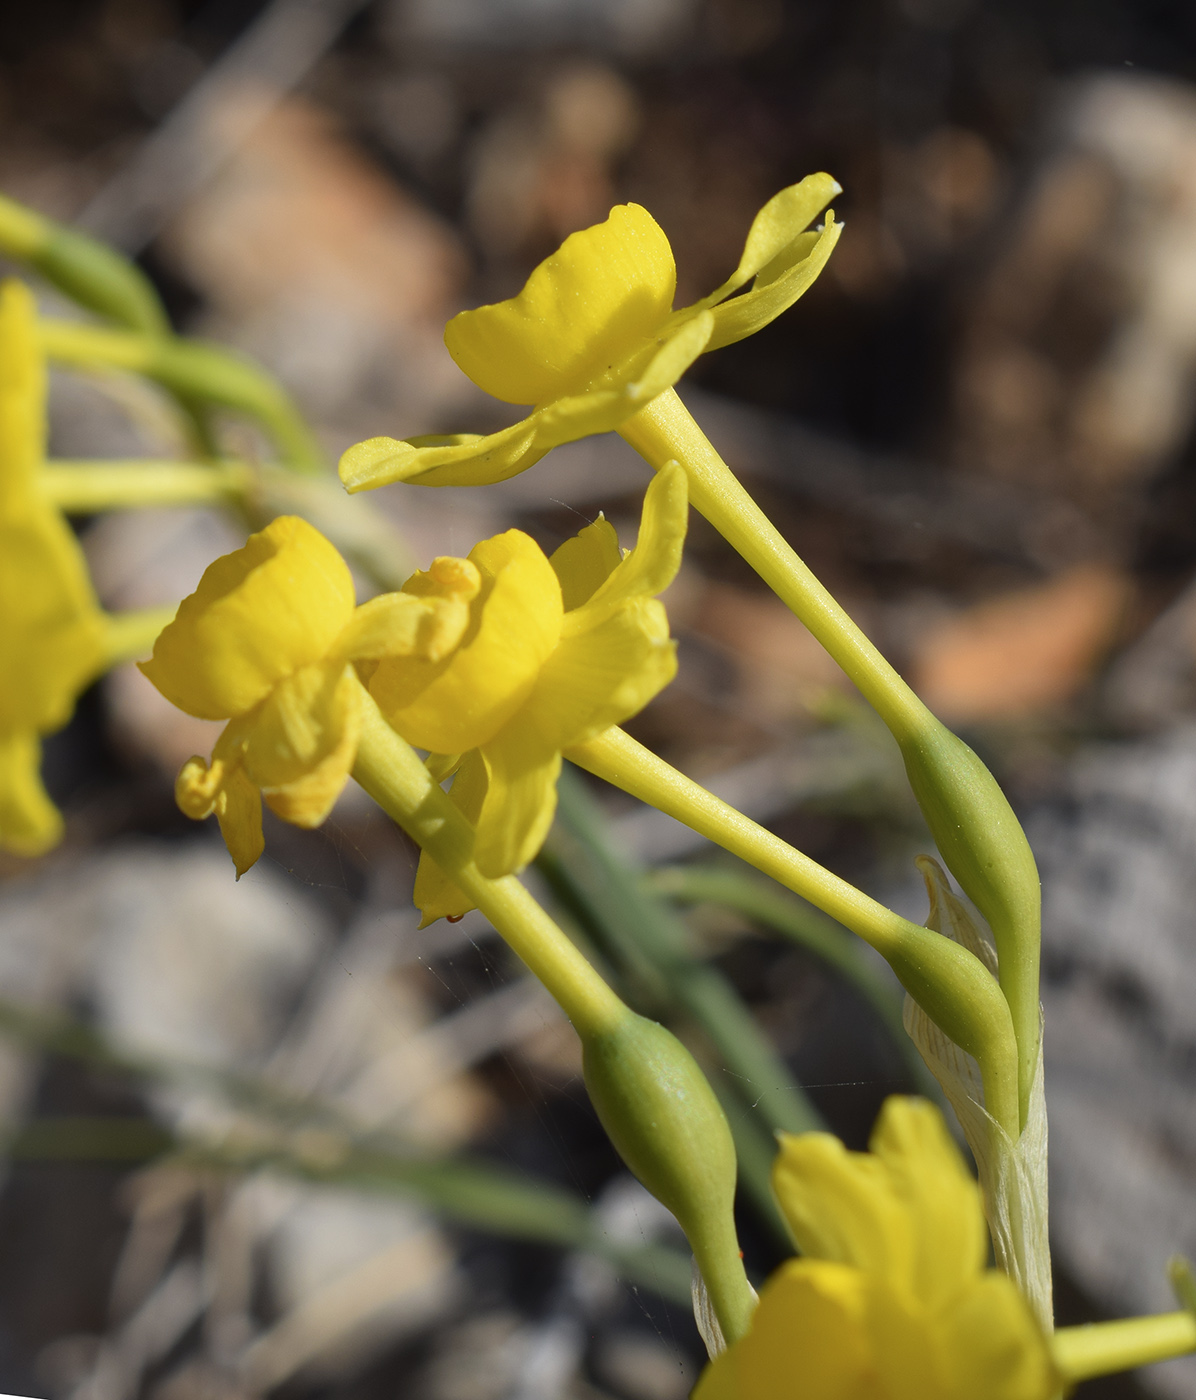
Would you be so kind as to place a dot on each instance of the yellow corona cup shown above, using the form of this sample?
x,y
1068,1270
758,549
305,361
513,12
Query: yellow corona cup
x,y
593,337
52,632
556,651
891,1299
266,642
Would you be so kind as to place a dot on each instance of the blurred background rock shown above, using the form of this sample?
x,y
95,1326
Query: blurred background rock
x,y
977,427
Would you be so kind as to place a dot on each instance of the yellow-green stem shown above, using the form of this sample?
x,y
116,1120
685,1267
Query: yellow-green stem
x,y
953,987
1102,1348
976,830
131,635
395,777
83,487
666,431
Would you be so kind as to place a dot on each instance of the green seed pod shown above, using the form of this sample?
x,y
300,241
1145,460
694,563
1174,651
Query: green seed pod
x,y
663,1118
985,848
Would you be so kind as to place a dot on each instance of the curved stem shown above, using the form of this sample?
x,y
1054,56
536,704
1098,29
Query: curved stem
x,y
192,371
393,775
949,983
88,271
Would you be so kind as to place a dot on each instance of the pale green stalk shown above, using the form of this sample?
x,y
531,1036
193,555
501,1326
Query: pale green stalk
x,y
970,818
85,487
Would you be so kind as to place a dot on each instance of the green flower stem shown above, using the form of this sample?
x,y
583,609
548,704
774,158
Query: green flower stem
x,y
353,524
976,830
85,487
194,372
651,1098
131,635
632,923
763,904
391,772
951,985
87,271
1101,1348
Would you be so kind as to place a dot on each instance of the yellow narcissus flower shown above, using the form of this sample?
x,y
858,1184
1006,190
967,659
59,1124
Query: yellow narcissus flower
x,y
557,650
891,1299
267,642
593,337
53,636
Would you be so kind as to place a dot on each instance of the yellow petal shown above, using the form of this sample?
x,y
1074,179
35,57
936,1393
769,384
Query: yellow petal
x,y
604,675
586,561
447,578
259,614
840,1206
22,394
928,1175
397,624
30,824
435,895
239,812
907,1346
777,228
520,799
776,288
51,629
653,564
198,786
224,788
992,1347
907,1211
808,1338
604,290
303,742
457,704
468,460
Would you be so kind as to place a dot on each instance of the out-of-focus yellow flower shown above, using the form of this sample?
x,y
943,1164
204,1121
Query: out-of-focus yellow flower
x,y
52,632
593,337
267,642
556,651
891,1299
